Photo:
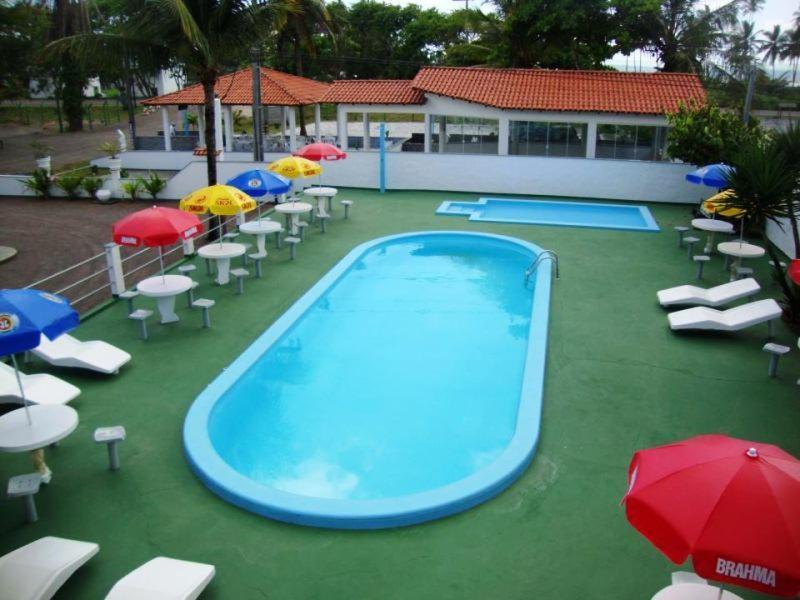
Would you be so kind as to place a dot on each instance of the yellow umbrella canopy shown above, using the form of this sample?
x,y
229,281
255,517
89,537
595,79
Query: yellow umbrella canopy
x,y
718,202
218,200
295,167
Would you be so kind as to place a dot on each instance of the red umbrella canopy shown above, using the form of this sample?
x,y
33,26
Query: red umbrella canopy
x,y
794,270
320,151
733,505
156,226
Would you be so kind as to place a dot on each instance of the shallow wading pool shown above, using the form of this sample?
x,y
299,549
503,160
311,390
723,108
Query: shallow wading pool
x,y
632,217
405,386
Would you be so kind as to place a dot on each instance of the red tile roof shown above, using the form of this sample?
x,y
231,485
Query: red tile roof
x,y
373,91
277,89
582,91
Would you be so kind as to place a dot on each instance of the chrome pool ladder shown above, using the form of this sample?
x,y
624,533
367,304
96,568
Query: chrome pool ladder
x,y
543,255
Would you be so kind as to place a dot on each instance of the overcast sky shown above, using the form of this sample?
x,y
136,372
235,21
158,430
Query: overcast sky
x,y
774,12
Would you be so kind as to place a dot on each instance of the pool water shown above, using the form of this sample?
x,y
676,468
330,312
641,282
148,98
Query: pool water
x,y
554,212
402,375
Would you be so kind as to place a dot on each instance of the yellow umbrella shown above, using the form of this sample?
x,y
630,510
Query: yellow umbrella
x,y
295,167
218,200
717,203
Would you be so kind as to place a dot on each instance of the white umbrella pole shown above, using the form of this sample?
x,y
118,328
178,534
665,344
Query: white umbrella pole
x,y
161,262
21,389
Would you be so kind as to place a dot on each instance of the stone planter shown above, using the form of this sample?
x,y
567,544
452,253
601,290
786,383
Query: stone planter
x,y
115,166
103,196
43,163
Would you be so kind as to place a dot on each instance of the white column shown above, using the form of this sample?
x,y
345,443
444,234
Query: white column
x,y
292,131
166,128
115,274
218,126
365,120
228,110
428,130
283,123
201,125
317,122
502,136
442,133
341,126
591,139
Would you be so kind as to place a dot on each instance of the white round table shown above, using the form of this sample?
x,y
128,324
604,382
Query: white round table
x,y
50,423
322,195
164,288
260,229
740,250
293,210
694,591
222,254
712,226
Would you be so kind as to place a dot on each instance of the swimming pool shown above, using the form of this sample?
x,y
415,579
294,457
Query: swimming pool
x,y
554,212
404,386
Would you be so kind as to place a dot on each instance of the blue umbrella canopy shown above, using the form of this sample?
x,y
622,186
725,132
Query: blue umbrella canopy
x,y
259,183
711,175
27,314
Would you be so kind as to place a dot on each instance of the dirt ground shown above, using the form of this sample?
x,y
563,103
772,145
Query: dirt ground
x,y
16,156
51,235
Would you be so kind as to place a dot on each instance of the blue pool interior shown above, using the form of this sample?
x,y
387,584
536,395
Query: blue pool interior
x,y
554,212
403,377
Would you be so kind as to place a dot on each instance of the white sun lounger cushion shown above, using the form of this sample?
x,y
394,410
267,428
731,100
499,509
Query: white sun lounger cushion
x,y
36,571
716,296
41,388
163,579
95,355
732,319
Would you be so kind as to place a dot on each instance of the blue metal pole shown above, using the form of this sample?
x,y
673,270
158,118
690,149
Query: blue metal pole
x,y
382,142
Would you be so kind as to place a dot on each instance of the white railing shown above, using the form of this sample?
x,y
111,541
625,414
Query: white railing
x,y
81,287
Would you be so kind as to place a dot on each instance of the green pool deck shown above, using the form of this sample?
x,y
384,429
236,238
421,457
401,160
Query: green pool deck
x,y
617,380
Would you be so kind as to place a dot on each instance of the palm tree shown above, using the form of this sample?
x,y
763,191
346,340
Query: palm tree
x,y
204,36
772,46
742,47
791,50
296,23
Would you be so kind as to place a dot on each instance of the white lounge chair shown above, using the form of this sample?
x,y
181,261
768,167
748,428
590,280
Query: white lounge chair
x,y
36,571
716,296
733,319
95,355
41,388
163,579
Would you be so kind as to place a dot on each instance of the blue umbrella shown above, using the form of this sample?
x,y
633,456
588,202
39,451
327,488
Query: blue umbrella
x,y
27,314
258,182
711,175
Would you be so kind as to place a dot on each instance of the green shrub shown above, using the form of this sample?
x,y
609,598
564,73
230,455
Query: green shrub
x,y
112,148
132,189
91,185
39,183
153,185
70,183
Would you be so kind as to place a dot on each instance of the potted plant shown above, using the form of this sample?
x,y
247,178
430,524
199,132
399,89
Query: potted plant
x,y
70,183
132,188
41,152
153,184
114,162
91,184
39,183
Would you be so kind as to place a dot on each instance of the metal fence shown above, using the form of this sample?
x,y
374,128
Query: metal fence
x,y
95,280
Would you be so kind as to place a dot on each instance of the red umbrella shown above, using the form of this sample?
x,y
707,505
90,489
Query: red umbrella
x,y
733,505
156,226
320,151
794,270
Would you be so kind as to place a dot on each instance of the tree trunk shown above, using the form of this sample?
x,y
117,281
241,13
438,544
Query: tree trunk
x,y
72,92
793,224
208,78
298,70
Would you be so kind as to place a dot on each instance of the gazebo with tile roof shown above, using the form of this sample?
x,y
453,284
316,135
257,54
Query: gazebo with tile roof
x,y
289,92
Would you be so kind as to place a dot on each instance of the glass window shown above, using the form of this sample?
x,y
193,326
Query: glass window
x,y
631,142
464,135
533,138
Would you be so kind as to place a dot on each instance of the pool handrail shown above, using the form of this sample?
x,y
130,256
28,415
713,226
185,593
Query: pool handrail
x,y
543,255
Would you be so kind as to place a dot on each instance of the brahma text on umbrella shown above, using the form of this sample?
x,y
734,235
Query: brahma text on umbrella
x,y
749,572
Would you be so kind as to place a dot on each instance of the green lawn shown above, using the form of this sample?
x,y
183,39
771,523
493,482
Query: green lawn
x,y
617,380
